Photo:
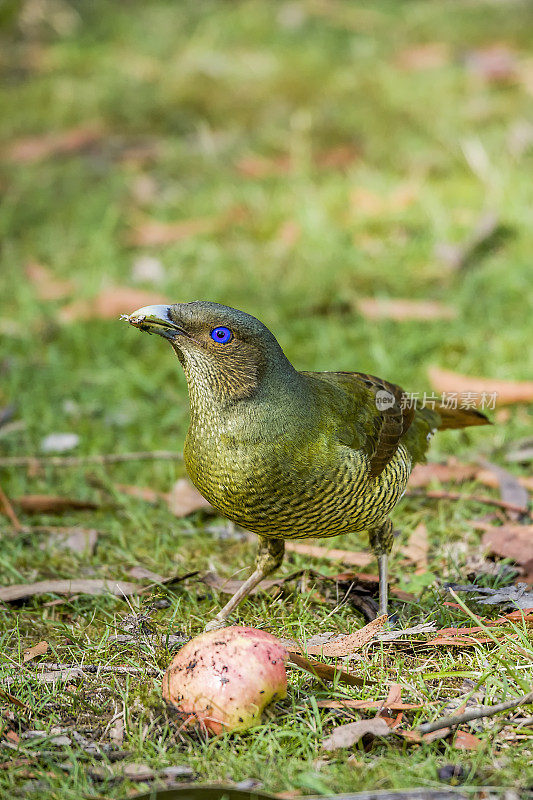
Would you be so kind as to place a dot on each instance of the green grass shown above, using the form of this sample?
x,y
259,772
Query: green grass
x,y
210,84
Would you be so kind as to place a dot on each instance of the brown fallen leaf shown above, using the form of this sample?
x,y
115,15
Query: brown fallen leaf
x,y
142,493
77,540
466,741
256,166
38,649
430,55
52,504
509,541
152,233
326,672
348,735
400,310
424,474
230,586
350,643
366,705
511,491
507,391
339,157
68,586
46,285
349,557
110,304
184,498
37,148
417,548
366,202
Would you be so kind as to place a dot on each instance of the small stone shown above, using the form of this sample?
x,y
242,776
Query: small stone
x,y
59,442
147,269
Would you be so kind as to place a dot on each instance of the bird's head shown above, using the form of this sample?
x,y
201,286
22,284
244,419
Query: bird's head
x,y
225,353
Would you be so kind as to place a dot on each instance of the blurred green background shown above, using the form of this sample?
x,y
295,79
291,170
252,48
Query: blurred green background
x,y
299,160
307,154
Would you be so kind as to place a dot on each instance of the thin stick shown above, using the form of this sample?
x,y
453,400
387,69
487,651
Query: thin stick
x,y
489,501
77,461
8,510
475,713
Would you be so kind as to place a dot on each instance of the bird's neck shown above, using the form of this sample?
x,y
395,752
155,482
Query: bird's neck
x,y
250,399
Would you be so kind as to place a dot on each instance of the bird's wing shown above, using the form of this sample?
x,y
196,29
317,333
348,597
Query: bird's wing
x,y
383,417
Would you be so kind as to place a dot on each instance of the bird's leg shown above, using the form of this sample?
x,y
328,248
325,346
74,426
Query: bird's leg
x,y
381,539
269,557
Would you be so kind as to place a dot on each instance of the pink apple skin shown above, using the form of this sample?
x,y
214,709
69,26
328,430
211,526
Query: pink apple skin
x,y
223,679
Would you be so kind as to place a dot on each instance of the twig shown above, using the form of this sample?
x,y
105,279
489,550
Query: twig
x,y
8,510
119,669
489,501
475,713
103,458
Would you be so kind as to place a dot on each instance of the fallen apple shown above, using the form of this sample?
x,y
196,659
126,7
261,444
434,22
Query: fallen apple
x,y
223,679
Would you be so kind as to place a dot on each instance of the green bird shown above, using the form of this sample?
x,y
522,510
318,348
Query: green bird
x,y
289,454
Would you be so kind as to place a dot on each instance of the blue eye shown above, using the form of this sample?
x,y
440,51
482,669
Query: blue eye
x,y
221,335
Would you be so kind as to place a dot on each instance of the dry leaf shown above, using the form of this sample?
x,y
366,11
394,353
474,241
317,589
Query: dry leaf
x,y
424,474
110,304
36,148
366,705
348,735
38,649
142,493
431,55
507,391
400,310
52,504
340,157
152,233
350,643
325,672
255,166
184,499
417,548
511,491
509,541
466,741
77,540
68,586
46,285
230,586
366,202
496,63
349,557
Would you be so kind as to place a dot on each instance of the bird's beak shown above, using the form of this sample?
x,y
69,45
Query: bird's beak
x,y
154,319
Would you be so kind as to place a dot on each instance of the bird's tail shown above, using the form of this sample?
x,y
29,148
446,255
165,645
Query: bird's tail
x,y
460,417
